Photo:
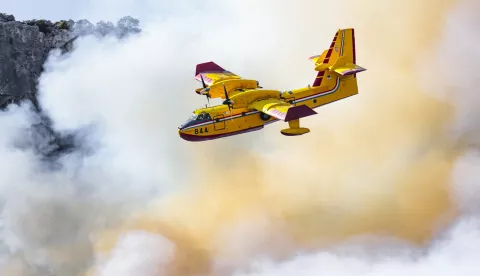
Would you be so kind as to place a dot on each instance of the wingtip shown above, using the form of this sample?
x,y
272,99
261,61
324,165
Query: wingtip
x,y
297,112
209,66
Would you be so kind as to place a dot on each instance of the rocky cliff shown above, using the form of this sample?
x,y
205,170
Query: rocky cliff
x,y
24,48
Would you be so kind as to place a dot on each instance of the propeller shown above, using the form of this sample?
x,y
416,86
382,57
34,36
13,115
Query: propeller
x,y
203,82
205,89
227,99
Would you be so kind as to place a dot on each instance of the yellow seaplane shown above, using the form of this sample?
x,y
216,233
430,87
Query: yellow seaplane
x,y
248,107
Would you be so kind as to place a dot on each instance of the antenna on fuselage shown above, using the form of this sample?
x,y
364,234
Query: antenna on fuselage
x,y
258,84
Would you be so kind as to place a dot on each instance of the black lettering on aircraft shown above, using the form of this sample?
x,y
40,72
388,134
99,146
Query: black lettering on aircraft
x,y
201,130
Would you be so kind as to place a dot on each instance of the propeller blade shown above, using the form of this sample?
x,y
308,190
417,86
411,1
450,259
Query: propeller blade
x,y
227,101
203,82
225,90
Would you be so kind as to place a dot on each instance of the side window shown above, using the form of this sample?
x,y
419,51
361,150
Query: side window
x,y
207,117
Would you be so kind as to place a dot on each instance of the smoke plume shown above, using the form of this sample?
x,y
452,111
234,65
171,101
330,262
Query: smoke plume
x,y
384,183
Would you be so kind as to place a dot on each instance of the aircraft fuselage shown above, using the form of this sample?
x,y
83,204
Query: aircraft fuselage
x,y
218,121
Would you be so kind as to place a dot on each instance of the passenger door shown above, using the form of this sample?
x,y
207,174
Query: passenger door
x,y
219,122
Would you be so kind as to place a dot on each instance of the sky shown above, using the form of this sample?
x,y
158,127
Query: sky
x,y
52,9
93,11
384,184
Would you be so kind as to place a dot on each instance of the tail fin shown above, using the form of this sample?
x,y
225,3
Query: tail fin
x,y
339,58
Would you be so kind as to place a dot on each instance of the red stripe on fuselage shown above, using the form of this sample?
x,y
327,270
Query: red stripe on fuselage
x,y
196,138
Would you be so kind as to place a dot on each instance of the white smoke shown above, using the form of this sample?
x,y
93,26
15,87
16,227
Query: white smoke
x,y
129,96
452,254
453,251
139,254
119,93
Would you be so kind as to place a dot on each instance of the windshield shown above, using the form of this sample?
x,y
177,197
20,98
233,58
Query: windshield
x,y
196,119
189,121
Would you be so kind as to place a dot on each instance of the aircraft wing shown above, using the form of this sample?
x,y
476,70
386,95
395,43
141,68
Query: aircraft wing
x,y
212,73
281,110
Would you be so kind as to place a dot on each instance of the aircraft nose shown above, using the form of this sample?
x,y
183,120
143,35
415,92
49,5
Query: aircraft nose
x,y
180,133
184,136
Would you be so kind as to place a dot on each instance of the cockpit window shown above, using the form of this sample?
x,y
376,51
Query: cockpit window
x,y
196,119
203,117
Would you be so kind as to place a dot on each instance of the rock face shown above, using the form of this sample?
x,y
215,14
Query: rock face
x,y
24,47
23,50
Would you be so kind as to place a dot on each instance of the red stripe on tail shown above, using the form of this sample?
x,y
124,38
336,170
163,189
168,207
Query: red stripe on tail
x,y
354,53
319,78
353,46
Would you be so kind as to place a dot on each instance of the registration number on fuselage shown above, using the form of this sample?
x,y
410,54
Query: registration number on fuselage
x,y
201,130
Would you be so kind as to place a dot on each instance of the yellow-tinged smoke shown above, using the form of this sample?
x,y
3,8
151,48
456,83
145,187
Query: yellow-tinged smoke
x,y
379,163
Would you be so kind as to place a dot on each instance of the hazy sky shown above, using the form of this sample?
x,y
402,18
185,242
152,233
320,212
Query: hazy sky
x,y
70,9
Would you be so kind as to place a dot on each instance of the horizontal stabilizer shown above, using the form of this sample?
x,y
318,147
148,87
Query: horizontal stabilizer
x,y
297,112
314,58
349,69
340,58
